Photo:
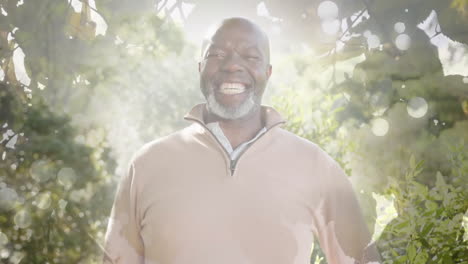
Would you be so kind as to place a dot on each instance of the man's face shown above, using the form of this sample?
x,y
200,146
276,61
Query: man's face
x,y
234,71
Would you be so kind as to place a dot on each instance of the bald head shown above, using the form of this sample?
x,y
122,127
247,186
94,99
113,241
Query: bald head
x,y
241,23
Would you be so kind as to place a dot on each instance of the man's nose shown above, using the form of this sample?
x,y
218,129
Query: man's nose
x,y
232,63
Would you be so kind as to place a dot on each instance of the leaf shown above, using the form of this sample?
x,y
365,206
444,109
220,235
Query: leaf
x,y
421,258
420,189
403,226
440,183
430,205
401,259
411,251
446,259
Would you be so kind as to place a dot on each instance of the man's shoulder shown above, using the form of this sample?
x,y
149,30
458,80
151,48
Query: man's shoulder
x,y
165,144
293,140
304,146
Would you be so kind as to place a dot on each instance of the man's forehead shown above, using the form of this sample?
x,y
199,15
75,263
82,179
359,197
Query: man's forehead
x,y
230,43
238,32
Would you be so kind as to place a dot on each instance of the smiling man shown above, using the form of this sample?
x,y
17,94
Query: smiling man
x,y
234,71
234,90
234,187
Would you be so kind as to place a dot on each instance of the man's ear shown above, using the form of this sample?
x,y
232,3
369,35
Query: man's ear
x,y
269,71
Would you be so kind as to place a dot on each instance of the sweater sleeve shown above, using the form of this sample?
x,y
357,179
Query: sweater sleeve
x,y
341,229
123,243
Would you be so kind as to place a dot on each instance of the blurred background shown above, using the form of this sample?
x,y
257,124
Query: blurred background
x,y
380,85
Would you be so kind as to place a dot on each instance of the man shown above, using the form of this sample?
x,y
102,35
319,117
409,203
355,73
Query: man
x,y
234,187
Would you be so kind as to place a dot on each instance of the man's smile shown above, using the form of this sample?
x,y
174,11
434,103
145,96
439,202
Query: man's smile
x,y
231,88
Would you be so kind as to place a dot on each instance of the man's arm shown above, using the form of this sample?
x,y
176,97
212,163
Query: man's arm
x,y
123,243
342,232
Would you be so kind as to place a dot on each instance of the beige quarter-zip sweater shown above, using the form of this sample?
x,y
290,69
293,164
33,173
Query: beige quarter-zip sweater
x,y
183,201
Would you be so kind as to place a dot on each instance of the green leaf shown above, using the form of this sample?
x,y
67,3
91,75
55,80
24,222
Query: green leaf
x,y
421,189
430,205
421,258
411,251
441,185
446,259
401,259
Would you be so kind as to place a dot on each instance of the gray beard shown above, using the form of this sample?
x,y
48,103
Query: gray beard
x,y
248,106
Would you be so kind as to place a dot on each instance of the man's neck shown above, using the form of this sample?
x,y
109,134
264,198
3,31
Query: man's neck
x,y
240,130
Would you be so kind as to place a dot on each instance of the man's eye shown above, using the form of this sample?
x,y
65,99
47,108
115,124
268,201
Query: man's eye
x,y
216,55
253,57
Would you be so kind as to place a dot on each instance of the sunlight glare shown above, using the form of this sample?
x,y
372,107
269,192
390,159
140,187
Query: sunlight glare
x,y
20,70
386,212
331,27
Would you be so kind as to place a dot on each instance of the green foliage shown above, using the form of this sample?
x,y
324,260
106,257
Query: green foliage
x,y
53,190
429,227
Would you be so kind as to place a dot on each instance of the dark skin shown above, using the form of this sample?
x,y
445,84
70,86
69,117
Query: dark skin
x,y
238,52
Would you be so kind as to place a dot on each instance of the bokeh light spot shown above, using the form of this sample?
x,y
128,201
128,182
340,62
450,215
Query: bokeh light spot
x,y
66,177
8,197
22,218
373,41
403,42
417,107
327,10
399,27
41,170
43,201
62,204
4,253
16,257
379,127
262,10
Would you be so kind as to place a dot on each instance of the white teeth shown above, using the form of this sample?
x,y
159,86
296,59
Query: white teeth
x,y
232,88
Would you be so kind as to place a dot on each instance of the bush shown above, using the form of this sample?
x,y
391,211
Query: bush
x,y
429,227
54,191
